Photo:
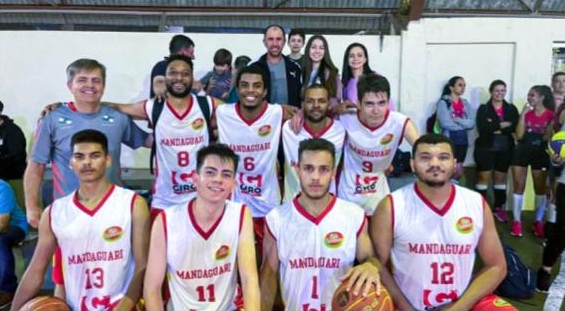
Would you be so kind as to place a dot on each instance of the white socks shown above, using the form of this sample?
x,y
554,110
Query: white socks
x,y
517,206
540,206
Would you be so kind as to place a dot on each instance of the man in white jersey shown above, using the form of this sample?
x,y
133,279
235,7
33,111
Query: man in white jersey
x,y
102,231
373,136
181,130
313,241
429,232
252,128
204,245
316,125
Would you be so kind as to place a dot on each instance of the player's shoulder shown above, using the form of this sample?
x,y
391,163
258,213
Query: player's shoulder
x,y
466,192
280,211
348,207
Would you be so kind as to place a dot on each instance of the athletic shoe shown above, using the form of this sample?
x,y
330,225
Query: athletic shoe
x,y
538,229
500,214
516,228
543,281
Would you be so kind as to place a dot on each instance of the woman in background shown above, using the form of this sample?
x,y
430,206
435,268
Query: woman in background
x,y
355,64
320,69
496,122
455,118
536,115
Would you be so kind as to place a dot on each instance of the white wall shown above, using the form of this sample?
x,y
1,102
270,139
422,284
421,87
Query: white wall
x,y
32,66
417,63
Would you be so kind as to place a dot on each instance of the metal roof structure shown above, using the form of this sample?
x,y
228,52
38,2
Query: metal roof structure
x,y
325,16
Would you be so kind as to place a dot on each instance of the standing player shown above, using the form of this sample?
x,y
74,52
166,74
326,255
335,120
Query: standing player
x,y
252,128
373,136
181,130
313,241
316,125
198,245
102,231
430,231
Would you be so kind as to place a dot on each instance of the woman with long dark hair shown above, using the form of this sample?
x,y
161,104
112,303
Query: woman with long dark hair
x,y
355,64
530,151
455,118
319,68
496,122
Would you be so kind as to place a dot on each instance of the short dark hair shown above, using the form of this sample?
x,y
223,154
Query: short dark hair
x,y
557,74
316,144
1,106
297,32
372,83
432,139
222,57
241,61
224,152
257,69
85,64
178,43
181,57
494,84
316,86
274,26
90,136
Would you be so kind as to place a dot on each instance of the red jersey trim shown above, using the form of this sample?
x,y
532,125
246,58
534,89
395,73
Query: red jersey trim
x,y
322,132
434,208
164,217
269,230
391,214
372,129
250,122
98,206
204,234
241,214
135,196
361,227
305,214
403,130
72,106
184,113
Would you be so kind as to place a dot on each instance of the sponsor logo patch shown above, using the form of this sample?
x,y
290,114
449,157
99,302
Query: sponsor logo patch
x,y
264,130
113,234
198,124
333,239
464,225
223,252
386,139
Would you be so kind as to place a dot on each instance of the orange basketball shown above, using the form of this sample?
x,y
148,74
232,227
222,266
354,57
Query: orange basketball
x,y
45,303
346,301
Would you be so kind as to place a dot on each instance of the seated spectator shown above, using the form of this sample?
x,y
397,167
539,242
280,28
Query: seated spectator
x,y
217,83
13,229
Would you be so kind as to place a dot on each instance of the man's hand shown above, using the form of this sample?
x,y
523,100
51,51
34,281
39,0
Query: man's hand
x,y
47,109
362,276
297,121
33,214
344,107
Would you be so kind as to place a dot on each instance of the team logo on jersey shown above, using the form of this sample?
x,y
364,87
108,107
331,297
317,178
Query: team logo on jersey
x,y
182,182
197,124
365,184
64,121
113,234
464,225
223,252
264,130
333,239
106,119
386,139
499,302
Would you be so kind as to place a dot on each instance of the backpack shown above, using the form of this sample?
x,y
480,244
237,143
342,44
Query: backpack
x,y
156,112
520,280
432,124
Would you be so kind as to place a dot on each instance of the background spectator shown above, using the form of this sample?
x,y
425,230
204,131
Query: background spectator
x,y
217,83
296,39
12,154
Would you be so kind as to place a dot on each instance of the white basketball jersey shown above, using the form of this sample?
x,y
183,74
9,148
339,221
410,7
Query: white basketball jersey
x,y
96,248
202,266
314,252
334,132
257,143
434,249
177,139
368,153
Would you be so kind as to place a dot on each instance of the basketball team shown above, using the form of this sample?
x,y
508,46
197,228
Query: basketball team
x,y
216,236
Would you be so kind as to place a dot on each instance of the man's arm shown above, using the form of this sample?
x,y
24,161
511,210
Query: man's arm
x,y
268,272
135,110
32,279
156,266
381,235
33,177
140,246
247,264
494,266
411,132
366,274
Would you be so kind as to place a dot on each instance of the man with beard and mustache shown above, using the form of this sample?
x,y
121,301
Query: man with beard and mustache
x,y
181,131
316,125
429,231
313,241
252,128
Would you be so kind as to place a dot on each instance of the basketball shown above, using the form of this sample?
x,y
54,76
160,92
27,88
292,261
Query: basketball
x,y
45,303
346,301
557,144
